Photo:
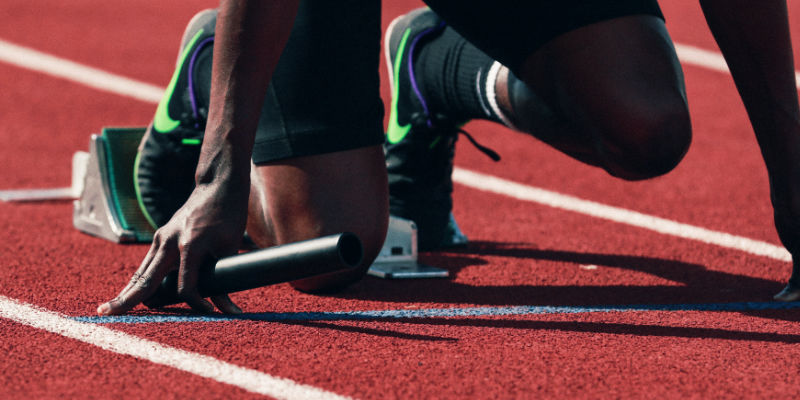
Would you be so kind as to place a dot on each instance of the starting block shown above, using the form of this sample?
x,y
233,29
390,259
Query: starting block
x,y
107,206
398,256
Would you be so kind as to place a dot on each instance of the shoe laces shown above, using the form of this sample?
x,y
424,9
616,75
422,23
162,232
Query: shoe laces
x,y
483,149
439,123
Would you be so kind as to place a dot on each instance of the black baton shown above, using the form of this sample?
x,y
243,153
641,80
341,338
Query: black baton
x,y
278,264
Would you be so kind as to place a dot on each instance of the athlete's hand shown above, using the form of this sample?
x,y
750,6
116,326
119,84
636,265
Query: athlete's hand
x,y
250,37
208,227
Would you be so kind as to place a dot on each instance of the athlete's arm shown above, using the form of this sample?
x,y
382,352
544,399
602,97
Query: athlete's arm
x,y
755,40
250,36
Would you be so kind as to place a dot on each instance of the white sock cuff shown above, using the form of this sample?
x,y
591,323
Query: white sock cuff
x,y
491,95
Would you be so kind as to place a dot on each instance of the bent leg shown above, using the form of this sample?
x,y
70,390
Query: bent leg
x,y
319,165
609,92
313,196
614,97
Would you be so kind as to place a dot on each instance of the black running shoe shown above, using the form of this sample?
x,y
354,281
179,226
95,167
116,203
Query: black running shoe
x,y
167,159
420,142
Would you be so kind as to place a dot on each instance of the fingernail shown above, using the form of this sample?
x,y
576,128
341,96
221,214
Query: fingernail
x,y
103,309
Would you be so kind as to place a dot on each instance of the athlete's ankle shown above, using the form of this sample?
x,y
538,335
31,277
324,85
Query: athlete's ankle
x,y
452,75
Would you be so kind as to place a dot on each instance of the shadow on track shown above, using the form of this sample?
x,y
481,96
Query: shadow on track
x,y
615,329
697,284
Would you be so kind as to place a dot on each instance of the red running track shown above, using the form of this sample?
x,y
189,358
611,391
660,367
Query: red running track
x,y
523,254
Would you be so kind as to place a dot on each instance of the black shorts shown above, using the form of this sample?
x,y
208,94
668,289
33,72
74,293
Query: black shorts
x,y
325,92
510,31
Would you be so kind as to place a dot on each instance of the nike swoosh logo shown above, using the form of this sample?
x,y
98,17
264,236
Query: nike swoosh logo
x,y
396,132
162,121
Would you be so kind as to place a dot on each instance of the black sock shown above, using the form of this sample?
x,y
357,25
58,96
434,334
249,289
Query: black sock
x,y
451,74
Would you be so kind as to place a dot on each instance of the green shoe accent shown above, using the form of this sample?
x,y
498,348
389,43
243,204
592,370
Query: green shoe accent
x,y
162,121
396,132
191,142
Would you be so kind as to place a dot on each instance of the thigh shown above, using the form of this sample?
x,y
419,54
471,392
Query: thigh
x,y
325,93
599,80
509,30
610,93
620,83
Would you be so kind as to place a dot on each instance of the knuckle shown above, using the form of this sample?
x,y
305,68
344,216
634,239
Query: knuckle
x,y
135,277
183,246
158,236
142,281
163,237
187,242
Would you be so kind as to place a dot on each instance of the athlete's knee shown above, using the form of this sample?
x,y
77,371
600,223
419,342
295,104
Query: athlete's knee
x,y
367,220
653,142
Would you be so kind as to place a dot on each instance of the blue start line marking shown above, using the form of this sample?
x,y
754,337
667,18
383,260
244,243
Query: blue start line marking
x,y
435,313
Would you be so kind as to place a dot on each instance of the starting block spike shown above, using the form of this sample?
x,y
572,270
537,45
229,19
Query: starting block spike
x,y
107,206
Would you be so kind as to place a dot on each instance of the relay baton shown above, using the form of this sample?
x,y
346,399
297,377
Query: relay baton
x,y
283,263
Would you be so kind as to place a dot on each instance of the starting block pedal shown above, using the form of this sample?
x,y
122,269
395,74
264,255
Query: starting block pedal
x,y
107,205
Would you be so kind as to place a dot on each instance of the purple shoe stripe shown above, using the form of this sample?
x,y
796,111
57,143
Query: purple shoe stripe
x,y
411,74
192,63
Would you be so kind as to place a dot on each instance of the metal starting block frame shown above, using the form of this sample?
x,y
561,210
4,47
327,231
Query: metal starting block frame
x,y
107,205
398,256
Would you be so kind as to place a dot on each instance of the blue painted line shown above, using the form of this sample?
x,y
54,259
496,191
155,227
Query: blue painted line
x,y
436,313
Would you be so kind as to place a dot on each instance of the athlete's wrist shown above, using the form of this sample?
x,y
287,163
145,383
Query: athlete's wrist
x,y
223,162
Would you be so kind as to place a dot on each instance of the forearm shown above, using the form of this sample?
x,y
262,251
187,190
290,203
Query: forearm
x,y
755,40
250,36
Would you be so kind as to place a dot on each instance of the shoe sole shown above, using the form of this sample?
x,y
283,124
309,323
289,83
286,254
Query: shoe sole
x,y
387,51
190,30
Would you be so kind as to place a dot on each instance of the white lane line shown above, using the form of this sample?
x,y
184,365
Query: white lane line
x,y
25,57
256,381
701,57
38,61
123,343
488,183
25,195
35,60
710,59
